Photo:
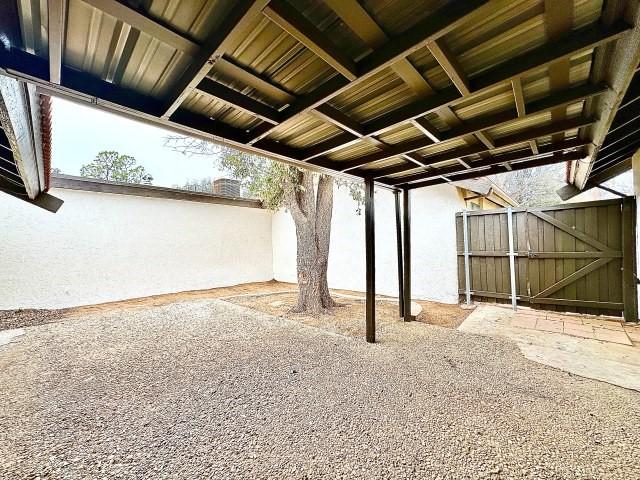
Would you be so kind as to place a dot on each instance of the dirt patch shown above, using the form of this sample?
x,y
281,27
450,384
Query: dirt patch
x,y
349,317
442,314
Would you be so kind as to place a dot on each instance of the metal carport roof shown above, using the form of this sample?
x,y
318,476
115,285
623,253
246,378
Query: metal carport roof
x,y
411,93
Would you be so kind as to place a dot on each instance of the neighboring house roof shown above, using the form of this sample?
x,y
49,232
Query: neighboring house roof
x,y
484,187
25,143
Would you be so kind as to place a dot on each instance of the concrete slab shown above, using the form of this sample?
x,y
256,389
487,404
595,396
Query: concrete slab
x,y
10,336
615,363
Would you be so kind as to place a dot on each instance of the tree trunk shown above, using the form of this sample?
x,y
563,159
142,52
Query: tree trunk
x,y
311,213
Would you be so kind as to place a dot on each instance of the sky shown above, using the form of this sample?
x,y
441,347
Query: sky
x,y
80,132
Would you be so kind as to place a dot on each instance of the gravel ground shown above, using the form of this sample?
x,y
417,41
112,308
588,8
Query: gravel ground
x,y
207,389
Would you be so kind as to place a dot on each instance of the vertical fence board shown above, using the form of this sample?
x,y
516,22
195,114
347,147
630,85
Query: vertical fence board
x,y
548,243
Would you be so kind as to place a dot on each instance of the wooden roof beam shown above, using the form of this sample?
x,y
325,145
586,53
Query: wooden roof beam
x,y
536,162
84,87
246,76
216,44
57,29
489,161
143,22
295,24
565,97
432,27
518,97
577,41
450,65
239,100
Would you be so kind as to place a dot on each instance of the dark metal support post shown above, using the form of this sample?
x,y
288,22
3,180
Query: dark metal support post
x,y
370,247
406,197
399,250
629,282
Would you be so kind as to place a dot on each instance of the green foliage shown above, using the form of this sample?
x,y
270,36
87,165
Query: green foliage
x,y
261,177
110,165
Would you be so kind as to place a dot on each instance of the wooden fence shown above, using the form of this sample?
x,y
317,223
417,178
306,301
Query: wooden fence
x,y
575,257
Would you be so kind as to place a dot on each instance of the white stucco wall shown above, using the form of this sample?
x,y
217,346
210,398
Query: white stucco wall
x,y
434,272
102,247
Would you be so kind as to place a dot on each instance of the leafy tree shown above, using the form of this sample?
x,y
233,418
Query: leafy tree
x,y
306,195
533,187
110,165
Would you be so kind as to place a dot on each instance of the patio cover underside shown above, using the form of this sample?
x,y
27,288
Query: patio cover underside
x,y
409,93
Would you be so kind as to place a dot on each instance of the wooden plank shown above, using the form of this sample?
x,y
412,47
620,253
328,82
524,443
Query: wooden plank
x,y
466,259
567,228
578,303
474,245
591,229
603,237
591,267
614,234
581,286
548,264
512,268
629,287
568,244
490,295
490,262
482,239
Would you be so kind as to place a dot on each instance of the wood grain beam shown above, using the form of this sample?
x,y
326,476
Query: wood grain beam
x,y
450,65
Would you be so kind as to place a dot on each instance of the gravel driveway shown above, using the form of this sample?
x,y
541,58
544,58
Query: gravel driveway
x,y
207,389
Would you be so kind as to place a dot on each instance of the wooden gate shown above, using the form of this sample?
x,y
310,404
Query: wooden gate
x,y
576,257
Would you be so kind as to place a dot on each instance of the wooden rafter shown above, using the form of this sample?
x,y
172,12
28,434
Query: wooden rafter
x,y
429,29
450,65
566,97
537,162
213,48
239,100
297,25
145,23
490,161
518,97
